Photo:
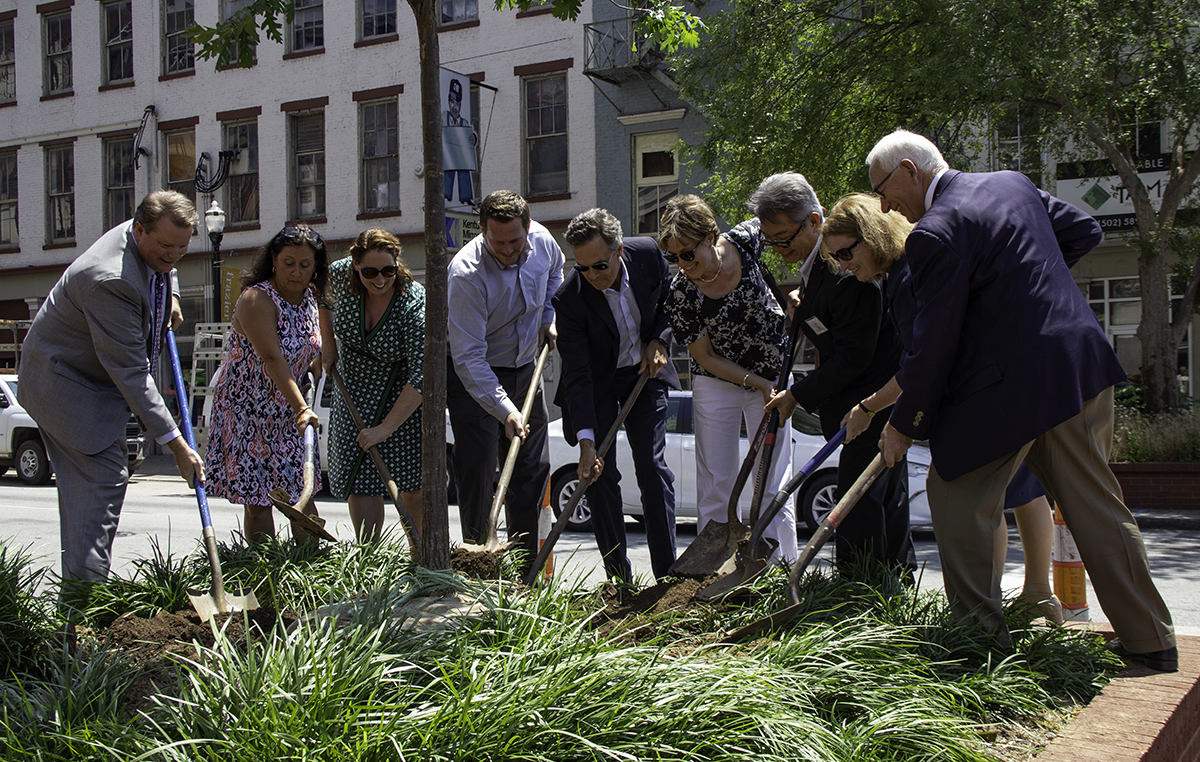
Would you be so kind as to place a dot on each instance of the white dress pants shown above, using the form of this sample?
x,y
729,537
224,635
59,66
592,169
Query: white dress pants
x,y
719,408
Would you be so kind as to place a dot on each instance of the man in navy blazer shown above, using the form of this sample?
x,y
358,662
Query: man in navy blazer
x,y
86,364
611,328
1005,363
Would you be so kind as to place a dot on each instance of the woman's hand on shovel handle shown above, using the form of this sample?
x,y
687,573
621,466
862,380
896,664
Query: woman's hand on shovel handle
x,y
368,438
590,466
305,418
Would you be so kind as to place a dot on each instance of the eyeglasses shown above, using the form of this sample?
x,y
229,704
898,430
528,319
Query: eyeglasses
x,y
290,236
780,244
877,188
686,256
370,273
846,253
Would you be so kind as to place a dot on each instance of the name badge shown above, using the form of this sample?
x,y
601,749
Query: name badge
x,y
815,323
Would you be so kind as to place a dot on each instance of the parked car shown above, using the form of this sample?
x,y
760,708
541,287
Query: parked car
x,y
21,442
813,500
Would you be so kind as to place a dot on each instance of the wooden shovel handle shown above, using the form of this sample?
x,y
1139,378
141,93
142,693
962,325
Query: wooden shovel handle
x,y
514,447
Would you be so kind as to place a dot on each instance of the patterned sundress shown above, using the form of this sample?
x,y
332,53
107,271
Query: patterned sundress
x,y
253,445
376,366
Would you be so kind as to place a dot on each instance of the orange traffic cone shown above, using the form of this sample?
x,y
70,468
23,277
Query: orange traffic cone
x,y
545,522
1070,578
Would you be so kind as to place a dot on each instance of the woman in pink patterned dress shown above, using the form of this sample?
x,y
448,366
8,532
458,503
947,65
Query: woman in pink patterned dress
x,y
256,439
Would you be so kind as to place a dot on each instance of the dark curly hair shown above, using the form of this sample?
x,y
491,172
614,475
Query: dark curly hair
x,y
372,240
292,235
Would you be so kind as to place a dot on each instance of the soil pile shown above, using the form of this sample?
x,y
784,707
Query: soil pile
x,y
479,564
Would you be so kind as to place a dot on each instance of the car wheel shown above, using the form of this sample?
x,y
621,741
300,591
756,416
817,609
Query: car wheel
x,y
566,481
33,467
818,499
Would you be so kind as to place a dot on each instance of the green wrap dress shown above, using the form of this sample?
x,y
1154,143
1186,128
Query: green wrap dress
x,y
376,366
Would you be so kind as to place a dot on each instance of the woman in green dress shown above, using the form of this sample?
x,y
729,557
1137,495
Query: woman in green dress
x,y
376,311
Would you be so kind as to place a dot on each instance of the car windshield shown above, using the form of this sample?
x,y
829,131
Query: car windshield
x,y
12,385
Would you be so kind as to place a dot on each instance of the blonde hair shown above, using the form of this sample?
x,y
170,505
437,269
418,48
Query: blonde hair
x,y
859,215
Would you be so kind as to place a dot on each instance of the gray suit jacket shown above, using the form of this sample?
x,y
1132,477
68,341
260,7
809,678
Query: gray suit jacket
x,y
84,363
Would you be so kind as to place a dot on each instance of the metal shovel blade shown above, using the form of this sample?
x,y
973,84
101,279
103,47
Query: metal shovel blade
x,y
208,604
313,525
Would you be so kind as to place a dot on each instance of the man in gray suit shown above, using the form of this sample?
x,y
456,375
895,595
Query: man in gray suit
x,y
87,362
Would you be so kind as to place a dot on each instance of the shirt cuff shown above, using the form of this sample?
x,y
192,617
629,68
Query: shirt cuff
x,y
172,434
586,434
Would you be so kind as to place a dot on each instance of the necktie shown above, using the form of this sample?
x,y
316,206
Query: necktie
x,y
158,320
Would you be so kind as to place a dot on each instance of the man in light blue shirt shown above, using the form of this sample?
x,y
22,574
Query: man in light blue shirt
x,y
499,288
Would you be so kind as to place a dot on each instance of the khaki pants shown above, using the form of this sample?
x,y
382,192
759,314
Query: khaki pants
x,y
1071,461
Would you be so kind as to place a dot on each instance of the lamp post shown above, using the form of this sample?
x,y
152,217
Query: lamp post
x,y
214,221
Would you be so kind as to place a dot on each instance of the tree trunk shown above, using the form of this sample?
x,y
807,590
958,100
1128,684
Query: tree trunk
x,y
1159,346
435,537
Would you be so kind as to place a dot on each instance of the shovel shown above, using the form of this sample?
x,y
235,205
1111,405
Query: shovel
x,y
561,523
492,543
414,538
313,525
714,548
216,600
752,558
818,540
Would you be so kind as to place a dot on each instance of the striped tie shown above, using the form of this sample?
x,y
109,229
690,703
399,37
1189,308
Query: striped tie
x,y
158,321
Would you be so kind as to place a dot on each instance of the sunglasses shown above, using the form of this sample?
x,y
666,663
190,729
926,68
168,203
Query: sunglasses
x,y
599,266
686,256
371,273
290,236
780,244
846,253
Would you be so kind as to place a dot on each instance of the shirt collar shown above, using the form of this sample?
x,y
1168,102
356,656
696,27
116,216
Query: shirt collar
x,y
806,268
932,187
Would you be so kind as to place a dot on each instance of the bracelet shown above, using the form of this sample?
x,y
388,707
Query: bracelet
x,y
301,412
745,377
870,413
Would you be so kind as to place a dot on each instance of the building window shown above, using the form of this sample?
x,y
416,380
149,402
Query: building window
x,y
378,18
179,54
241,189
1017,146
60,194
118,181
181,162
118,41
58,53
8,66
1117,304
308,26
380,156
8,199
458,11
229,10
655,177
546,135
308,146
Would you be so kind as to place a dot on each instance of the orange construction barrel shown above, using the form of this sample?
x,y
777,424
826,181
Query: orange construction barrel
x,y
545,522
1070,578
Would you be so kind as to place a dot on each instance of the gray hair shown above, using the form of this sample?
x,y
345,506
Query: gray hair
x,y
595,222
902,144
786,193
176,207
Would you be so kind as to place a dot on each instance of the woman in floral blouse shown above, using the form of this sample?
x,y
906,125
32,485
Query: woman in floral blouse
x,y
721,307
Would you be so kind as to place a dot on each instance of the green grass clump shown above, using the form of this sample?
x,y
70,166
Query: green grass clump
x,y
868,672
1165,438
26,619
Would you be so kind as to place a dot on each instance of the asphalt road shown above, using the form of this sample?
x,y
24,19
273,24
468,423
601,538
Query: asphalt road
x,y
161,507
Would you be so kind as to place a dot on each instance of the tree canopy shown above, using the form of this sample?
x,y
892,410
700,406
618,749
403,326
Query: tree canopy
x,y
811,86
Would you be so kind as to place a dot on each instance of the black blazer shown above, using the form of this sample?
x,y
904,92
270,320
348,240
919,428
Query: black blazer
x,y
588,339
859,349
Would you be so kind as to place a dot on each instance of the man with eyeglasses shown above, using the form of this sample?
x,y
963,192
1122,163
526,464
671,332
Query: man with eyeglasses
x,y
858,352
1005,363
613,327
499,287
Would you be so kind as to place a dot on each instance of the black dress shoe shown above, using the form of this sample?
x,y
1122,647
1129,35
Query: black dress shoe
x,y
1162,661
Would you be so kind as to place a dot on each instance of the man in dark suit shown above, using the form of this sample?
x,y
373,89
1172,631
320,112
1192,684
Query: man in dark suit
x,y
1005,363
611,328
87,362
859,351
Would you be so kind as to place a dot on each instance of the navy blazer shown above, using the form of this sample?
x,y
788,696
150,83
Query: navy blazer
x,y
1000,345
859,350
588,339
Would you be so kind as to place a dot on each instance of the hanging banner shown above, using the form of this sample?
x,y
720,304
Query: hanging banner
x,y
458,139
231,289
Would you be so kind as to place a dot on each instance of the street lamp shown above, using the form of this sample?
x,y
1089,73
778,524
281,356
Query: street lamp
x,y
214,221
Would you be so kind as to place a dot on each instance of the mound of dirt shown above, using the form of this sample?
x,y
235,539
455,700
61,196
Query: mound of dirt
x,y
478,564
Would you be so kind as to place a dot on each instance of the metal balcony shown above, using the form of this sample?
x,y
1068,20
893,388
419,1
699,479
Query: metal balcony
x,y
609,53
